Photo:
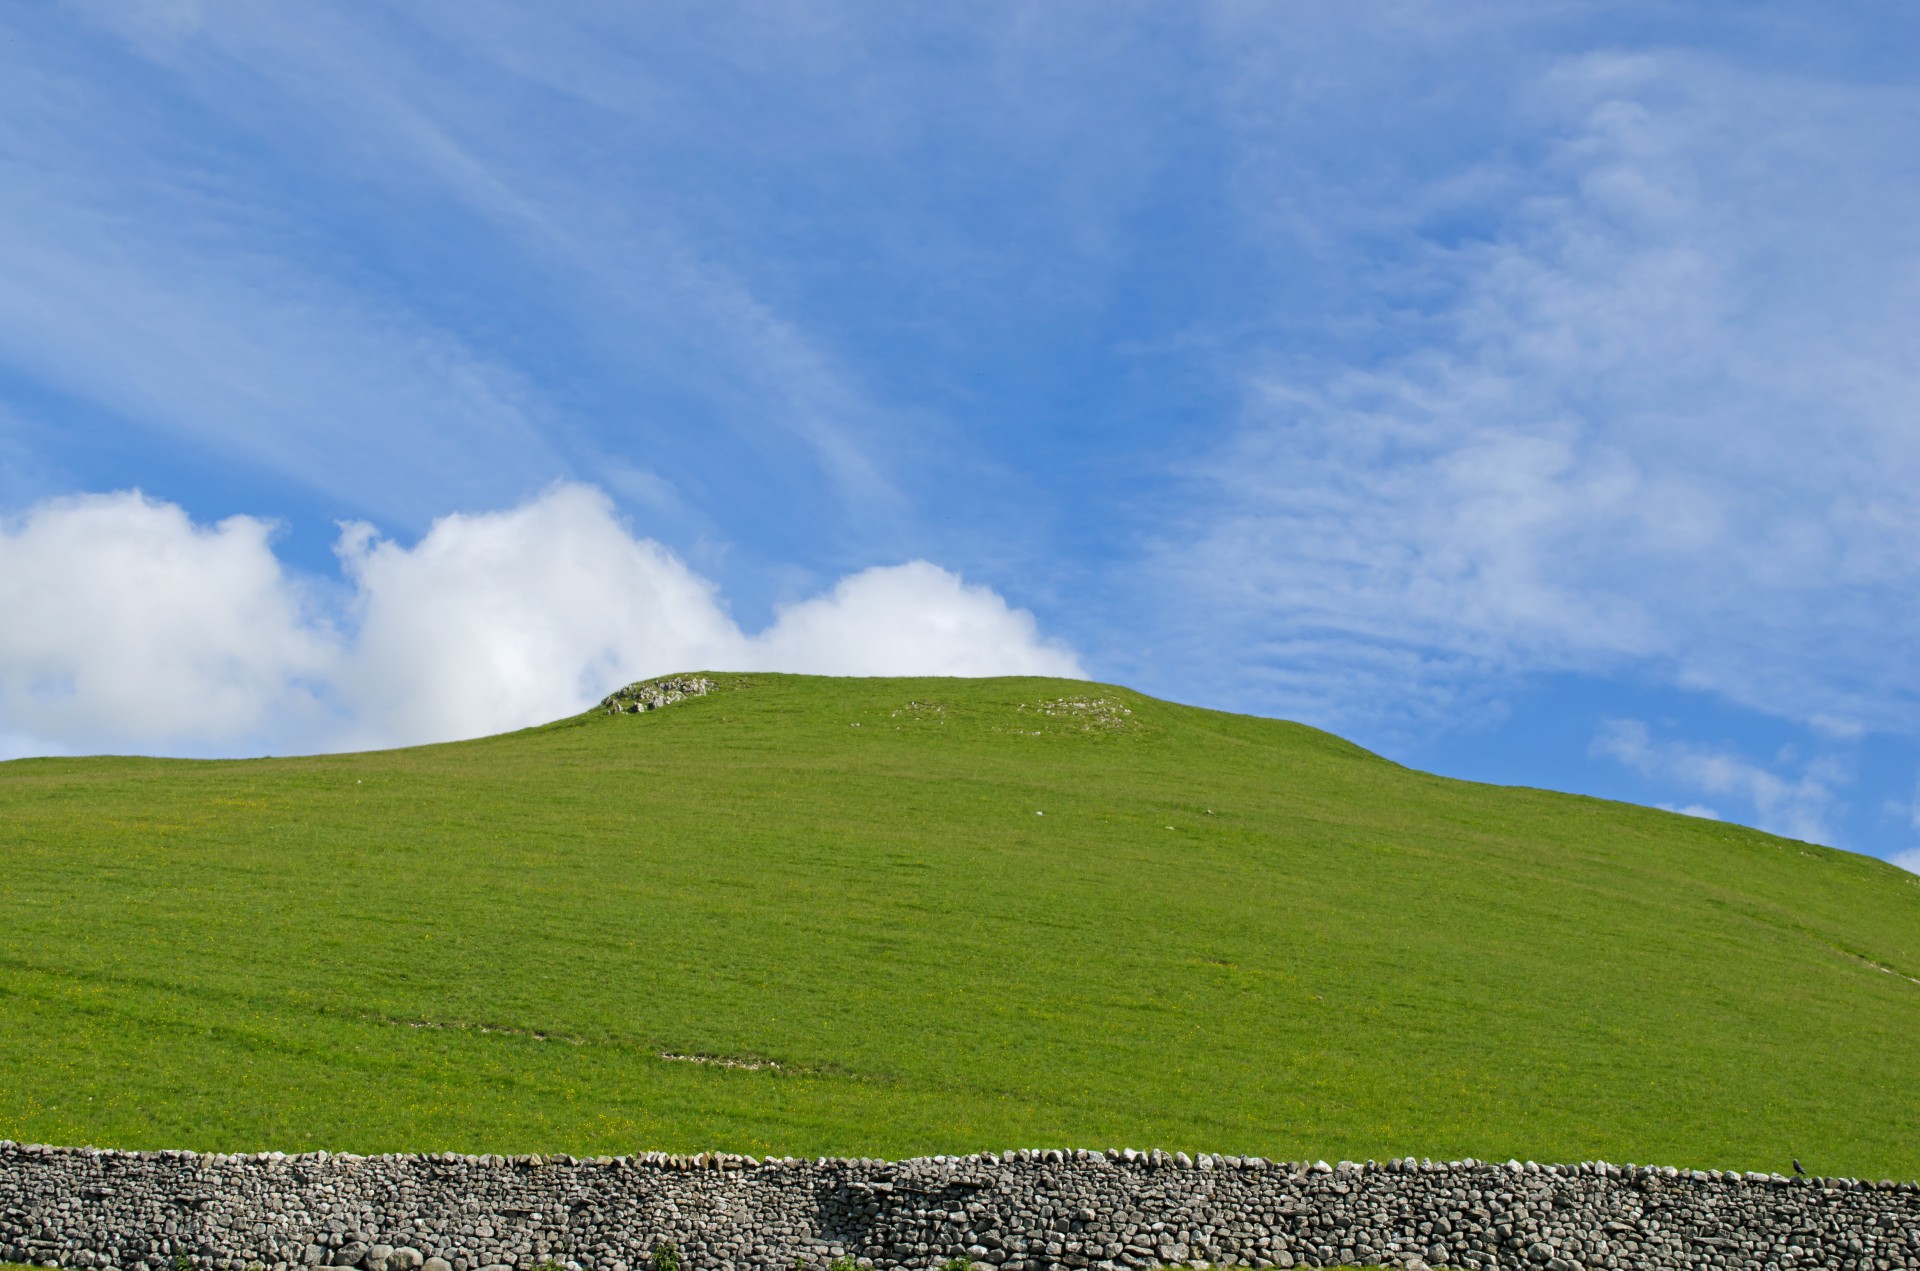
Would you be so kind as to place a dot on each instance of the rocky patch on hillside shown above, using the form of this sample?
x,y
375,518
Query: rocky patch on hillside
x,y
1088,714
651,695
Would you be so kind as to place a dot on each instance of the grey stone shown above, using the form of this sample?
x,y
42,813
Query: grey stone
x,y
350,1254
404,1259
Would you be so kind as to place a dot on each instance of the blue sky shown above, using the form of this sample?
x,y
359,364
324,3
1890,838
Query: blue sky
x,y
1530,392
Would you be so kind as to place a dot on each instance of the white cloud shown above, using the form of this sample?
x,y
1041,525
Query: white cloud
x,y
1700,810
128,624
21,746
1908,860
511,618
1657,411
132,627
912,619
1794,806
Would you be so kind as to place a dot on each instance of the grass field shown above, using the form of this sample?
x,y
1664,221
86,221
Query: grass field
x,y
955,917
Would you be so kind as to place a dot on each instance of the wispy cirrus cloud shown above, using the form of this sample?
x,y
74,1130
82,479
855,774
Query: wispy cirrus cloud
x,y
1797,804
1651,413
1907,812
253,221
137,276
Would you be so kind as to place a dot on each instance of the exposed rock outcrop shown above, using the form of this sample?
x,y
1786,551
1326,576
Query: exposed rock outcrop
x,y
651,695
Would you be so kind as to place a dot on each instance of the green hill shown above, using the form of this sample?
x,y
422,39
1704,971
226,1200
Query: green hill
x,y
935,915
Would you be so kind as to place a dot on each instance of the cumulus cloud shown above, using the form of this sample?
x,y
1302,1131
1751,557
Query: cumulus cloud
x,y
912,619
1794,806
132,627
1908,860
129,624
510,618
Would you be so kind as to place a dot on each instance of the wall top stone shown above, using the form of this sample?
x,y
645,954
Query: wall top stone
x,y
1150,1159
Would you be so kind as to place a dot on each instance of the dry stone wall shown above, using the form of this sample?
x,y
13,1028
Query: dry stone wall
x,y
1019,1211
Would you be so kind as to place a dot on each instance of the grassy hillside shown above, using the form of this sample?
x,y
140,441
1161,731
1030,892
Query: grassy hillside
x,y
956,914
